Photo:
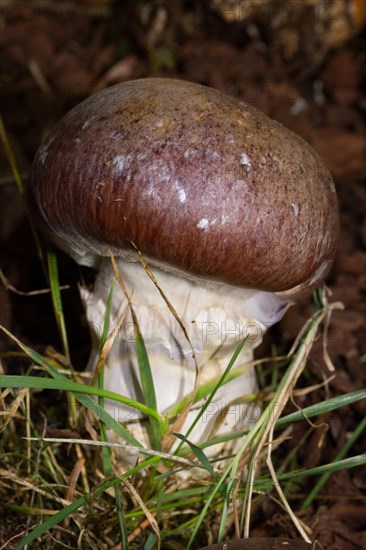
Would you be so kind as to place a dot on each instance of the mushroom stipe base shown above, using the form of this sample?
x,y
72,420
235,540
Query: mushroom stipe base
x,y
216,318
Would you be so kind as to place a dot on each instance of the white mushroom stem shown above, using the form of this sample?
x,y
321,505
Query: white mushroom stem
x,y
216,316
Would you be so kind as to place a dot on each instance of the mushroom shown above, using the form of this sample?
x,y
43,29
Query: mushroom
x,y
233,213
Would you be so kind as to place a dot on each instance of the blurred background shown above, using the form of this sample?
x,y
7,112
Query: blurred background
x,y
302,62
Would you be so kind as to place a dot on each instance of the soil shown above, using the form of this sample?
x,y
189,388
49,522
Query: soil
x,y
306,71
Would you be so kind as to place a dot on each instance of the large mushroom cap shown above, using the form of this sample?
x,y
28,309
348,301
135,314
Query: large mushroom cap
x,y
199,181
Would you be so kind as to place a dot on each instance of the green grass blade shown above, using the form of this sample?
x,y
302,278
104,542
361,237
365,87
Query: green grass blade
x,y
11,158
10,381
106,318
120,518
339,456
147,383
329,405
151,542
247,490
60,321
352,462
213,393
206,389
18,181
198,521
106,452
56,299
29,510
199,454
228,494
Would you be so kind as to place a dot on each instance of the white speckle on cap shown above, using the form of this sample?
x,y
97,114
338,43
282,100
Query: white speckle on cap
x,y
161,168
120,162
182,196
203,224
181,192
245,160
241,184
190,152
224,218
115,134
213,154
122,167
304,234
262,160
43,155
295,209
85,125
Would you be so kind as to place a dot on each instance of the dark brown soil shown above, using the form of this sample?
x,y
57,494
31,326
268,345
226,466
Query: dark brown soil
x,y
306,71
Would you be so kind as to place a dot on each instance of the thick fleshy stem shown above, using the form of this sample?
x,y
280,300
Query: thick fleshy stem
x,y
216,318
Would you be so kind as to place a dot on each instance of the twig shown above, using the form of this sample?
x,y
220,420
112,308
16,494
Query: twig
x,y
280,492
131,448
282,396
12,288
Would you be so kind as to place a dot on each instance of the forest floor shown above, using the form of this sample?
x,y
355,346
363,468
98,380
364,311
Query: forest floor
x,y
303,74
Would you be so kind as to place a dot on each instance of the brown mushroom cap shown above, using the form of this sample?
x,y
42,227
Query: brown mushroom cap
x,y
199,181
